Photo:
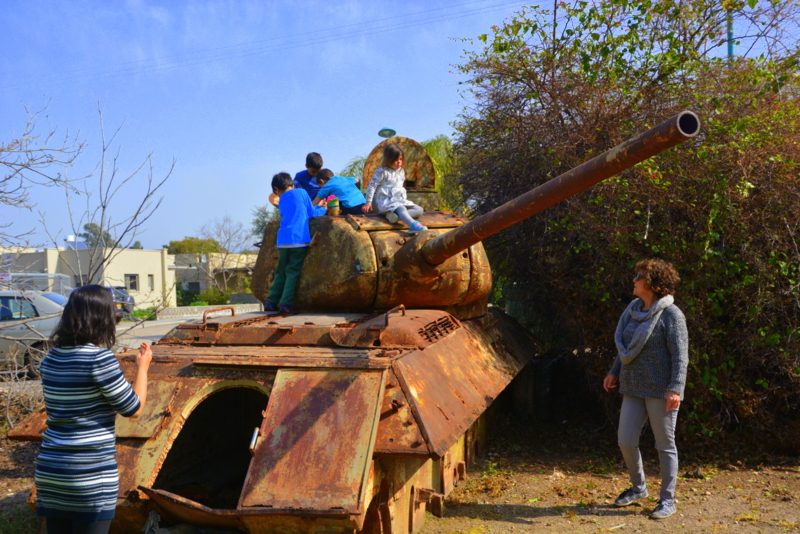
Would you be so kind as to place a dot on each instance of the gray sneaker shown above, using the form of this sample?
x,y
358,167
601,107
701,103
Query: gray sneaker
x,y
629,496
391,217
663,510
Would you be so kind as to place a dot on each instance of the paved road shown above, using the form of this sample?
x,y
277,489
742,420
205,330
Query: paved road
x,y
129,335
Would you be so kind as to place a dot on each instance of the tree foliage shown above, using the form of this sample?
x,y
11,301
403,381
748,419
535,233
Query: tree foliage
x,y
193,245
95,237
723,208
262,216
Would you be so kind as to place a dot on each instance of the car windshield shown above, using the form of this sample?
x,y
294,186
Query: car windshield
x,y
61,300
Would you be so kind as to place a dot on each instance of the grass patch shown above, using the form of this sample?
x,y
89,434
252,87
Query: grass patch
x,y
18,519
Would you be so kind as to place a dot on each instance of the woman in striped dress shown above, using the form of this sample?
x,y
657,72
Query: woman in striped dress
x,y
84,389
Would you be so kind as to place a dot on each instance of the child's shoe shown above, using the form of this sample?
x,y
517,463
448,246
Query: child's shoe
x,y
269,307
416,228
391,217
287,309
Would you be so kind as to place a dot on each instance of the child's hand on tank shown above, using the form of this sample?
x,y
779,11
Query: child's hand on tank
x,y
367,207
144,356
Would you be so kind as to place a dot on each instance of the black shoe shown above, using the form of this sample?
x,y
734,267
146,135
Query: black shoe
x,y
286,309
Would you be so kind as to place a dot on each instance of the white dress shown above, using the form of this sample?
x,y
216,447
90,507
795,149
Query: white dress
x,y
387,189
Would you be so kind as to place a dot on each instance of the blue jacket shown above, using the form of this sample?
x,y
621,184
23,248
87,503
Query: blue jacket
x,y
303,180
344,187
296,210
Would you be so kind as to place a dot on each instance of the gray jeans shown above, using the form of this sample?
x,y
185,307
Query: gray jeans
x,y
407,214
635,412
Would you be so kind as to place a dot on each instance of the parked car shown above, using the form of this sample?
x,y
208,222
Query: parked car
x,y
124,303
24,344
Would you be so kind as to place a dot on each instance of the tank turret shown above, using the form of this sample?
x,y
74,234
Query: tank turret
x,y
363,263
360,413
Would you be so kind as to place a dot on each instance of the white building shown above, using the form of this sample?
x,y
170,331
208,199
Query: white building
x,y
148,275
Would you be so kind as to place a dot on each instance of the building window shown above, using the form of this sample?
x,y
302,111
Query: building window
x,y
194,286
132,282
151,282
81,280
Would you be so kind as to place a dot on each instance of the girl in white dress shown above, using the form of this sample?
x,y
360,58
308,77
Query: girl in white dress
x,y
386,187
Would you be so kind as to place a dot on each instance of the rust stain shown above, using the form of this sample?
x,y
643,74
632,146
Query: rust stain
x,y
316,418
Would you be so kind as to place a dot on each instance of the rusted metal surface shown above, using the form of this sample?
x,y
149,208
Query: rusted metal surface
x,y
398,431
402,279
418,164
447,393
417,329
214,310
316,418
362,248
349,286
373,223
666,135
158,406
30,428
181,510
427,200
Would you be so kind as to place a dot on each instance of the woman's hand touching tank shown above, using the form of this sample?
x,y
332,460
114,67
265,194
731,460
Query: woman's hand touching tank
x,y
144,356
143,359
367,207
609,382
673,401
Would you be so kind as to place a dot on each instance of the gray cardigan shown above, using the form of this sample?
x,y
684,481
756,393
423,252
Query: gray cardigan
x,y
661,364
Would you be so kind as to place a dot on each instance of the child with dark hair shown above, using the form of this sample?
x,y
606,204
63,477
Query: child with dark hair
x,y
344,188
387,188
293,240
306,179
84,389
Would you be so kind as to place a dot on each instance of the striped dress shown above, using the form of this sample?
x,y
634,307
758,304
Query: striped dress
x,y
76,471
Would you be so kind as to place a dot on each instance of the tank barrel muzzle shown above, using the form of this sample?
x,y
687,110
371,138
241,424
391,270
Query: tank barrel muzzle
x,y
669,133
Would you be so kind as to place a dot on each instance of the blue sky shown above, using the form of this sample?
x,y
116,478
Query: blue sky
x,y
236,91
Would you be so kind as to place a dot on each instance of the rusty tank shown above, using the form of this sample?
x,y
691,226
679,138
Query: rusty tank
x,y
362,411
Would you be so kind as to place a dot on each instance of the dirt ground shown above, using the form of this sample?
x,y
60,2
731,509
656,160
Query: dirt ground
x,y
561,479
565,479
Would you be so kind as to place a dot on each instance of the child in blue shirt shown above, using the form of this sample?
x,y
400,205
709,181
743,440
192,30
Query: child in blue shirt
x,y
307,179
344,188
293,240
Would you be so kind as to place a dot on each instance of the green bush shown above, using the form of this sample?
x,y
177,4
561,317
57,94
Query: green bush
x,y
198,303
724,208
184,296
149,313
213,296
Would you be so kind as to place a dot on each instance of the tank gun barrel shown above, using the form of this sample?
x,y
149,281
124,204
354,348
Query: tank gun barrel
x,y
669,133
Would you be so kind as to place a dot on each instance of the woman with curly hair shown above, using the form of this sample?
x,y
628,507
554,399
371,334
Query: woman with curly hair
x,y
650,369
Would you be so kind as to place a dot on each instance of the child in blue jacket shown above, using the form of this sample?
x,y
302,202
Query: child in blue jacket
x,y
293,240
351,199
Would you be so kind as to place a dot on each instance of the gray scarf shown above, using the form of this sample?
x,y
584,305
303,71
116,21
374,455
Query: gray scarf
x,y
647,320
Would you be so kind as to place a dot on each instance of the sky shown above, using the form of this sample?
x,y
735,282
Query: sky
x,y
234,91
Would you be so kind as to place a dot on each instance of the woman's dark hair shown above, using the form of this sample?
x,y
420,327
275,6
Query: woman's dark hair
x,y
661,277
391,153
88,317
